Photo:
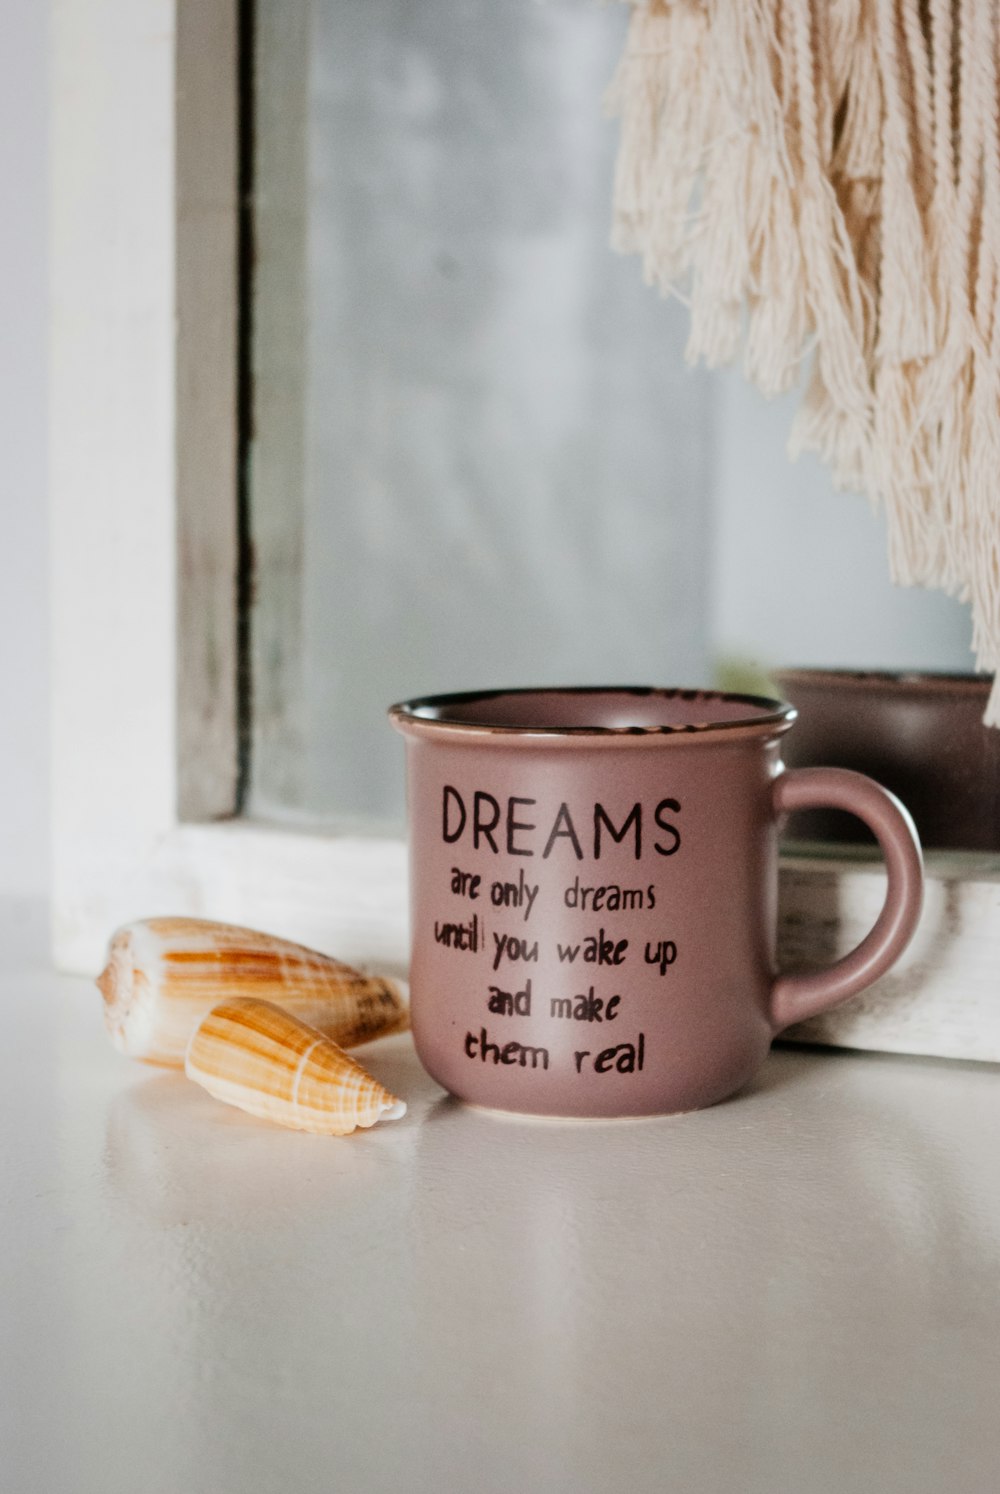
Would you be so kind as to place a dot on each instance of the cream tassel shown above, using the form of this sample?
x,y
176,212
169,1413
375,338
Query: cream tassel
x,y
822,177
984,444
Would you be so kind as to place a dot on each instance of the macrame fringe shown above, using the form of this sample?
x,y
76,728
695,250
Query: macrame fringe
x,y
820,180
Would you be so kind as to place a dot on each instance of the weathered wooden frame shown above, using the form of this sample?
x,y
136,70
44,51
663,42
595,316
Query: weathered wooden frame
x,y
144,468
143,500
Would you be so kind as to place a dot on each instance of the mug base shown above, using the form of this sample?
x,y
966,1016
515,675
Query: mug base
x,y
559,1118
729,1075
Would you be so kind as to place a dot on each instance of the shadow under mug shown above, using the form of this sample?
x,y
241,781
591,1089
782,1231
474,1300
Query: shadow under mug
x,y
594,880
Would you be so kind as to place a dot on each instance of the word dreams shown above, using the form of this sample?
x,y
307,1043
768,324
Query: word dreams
x,y
611,898
510,829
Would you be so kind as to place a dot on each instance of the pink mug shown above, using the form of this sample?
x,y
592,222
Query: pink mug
x,y
594,880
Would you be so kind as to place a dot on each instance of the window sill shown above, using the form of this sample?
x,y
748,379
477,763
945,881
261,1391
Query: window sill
x,y
348,895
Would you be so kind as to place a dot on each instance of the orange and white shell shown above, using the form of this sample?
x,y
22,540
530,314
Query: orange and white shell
x,y
253,1055
164,974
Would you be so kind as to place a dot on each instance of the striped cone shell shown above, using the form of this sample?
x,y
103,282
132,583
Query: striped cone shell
x,y
164,974
253,1055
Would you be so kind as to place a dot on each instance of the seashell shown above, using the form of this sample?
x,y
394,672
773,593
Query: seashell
x,y
252,1054
164,974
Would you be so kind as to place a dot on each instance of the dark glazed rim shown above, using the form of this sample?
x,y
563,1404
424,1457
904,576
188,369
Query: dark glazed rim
x,y
776,716
891,681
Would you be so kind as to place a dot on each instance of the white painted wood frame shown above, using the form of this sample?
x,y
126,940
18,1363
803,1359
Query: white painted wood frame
x,y
143,503
143,523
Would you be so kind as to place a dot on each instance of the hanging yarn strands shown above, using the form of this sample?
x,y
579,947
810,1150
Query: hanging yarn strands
x,y
821,179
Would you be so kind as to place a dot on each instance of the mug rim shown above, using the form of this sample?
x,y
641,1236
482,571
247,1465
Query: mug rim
x,y
889,681
416,716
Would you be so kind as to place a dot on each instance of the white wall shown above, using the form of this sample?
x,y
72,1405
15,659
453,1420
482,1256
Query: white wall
x,y
801,571
23,559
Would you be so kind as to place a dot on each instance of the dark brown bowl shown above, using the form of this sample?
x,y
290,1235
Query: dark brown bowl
x,y
921,735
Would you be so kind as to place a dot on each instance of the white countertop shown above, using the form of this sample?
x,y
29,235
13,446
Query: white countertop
x,y
796,1291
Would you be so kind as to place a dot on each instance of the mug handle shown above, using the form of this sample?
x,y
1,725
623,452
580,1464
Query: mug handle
x,y
796,997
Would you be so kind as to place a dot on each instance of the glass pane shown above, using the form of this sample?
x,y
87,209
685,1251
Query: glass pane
x,y
478,456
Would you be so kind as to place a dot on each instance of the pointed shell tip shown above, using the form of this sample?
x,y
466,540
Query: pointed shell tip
x,y
106,983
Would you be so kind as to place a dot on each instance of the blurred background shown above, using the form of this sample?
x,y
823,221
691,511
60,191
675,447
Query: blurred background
x,y
24,857
479,458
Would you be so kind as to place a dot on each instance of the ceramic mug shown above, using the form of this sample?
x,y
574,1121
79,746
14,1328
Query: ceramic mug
x,y
921,735
594,878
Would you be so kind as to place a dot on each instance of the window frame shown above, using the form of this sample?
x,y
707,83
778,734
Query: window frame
x,y
144,506
144,516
